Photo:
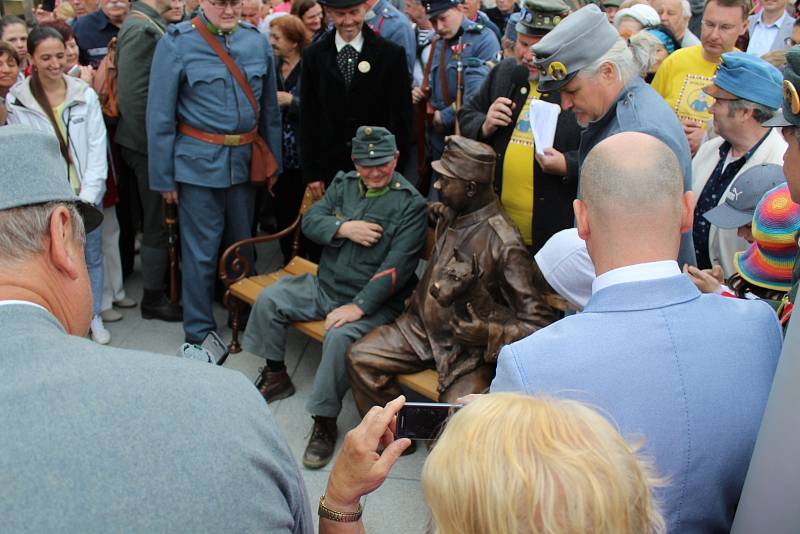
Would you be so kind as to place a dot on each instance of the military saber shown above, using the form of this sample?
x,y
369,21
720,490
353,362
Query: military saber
x,y
171,222
459,82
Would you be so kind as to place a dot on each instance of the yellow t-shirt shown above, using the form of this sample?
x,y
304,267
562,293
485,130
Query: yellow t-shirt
x,y
680,80
58,111
517,194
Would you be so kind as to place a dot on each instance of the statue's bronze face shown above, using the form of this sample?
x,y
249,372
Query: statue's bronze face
x,y
453,191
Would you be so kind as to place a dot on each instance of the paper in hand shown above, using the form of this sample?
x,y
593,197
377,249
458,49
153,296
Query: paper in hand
x,y
544,117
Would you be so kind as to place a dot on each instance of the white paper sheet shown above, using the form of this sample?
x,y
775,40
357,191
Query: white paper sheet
x,y
544,117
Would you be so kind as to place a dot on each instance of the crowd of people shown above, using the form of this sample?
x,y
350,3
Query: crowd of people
x,y
614,186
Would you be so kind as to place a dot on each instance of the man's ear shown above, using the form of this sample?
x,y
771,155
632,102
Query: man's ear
x,y
581,218
687,211
64,251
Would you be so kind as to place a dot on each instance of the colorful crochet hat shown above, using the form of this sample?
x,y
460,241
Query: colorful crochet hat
x,y
768,261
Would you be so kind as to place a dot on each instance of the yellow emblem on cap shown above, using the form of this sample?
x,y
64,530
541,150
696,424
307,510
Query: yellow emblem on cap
x,y
790,95
557,70
367,131
363,67
556,20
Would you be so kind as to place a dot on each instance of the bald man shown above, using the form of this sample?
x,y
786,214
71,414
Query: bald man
x,y
689,373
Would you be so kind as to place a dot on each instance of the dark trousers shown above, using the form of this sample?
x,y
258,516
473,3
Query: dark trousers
x,y
286,204
154,255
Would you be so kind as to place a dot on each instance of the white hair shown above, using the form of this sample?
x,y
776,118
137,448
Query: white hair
x,y
644,47
687,9
621,57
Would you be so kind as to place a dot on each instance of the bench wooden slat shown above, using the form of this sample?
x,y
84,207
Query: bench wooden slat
x,y
426,383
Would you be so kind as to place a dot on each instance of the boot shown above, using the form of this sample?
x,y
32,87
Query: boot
x,y
156,305
322,443
274,385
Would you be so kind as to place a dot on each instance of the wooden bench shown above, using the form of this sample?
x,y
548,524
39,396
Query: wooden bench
x,y
233,269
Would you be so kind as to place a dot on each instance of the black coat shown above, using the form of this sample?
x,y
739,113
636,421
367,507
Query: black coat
x,y
330,112
553,195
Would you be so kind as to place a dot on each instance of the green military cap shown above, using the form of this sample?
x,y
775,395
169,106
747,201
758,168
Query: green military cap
x,y
612,3
789,114
373,146
537,17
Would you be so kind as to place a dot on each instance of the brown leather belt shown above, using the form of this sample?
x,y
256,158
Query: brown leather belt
x,y
218,139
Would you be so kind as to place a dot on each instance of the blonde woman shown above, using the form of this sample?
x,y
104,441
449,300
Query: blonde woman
x,y
506,463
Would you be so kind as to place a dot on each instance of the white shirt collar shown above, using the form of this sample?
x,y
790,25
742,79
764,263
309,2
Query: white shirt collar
x,y
23,302
357,42
636,273
776,24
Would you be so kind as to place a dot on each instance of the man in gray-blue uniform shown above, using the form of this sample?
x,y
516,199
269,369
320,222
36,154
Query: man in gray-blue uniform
x,y
479,47
102,439
372,223
199,126
390,23
598,77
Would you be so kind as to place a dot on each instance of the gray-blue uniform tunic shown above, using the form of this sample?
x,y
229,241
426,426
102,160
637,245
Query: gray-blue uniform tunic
x,y
393,25
480,48
189,83
378,279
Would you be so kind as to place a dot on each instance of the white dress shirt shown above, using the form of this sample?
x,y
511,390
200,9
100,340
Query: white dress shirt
x,y
636,273
357,42
764,35
25,302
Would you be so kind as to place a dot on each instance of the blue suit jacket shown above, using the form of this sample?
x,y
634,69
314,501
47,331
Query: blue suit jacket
x,y
689,373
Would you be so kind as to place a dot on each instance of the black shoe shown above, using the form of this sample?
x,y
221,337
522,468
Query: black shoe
x,y
274,385
322,443
156,305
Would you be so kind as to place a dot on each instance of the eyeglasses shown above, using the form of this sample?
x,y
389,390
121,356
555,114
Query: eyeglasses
x,y
222,4
711,26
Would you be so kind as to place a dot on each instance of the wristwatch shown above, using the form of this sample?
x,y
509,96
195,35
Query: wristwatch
x,y
339,517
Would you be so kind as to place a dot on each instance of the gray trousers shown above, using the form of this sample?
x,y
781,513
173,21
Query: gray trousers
x,y
299,298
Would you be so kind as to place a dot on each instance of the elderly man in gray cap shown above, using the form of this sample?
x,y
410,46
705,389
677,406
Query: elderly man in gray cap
x,y
598,79
96,438
539,203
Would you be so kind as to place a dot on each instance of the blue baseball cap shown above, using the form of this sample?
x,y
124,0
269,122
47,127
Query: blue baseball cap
x,y
747,77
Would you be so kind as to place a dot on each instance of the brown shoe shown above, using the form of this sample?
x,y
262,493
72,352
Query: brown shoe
x,y
274,385
322,443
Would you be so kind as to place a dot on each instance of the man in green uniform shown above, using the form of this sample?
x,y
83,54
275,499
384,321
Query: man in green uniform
x,y
788,119
372,225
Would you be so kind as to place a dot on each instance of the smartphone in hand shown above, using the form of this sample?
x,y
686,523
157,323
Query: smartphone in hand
x,y
423,420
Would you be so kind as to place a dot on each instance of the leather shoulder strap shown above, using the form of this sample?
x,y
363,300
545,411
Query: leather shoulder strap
x,y
142,16
429,64
197,23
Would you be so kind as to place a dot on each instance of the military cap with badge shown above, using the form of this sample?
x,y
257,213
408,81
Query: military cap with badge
x,y
373,146
577,42
538,17
790,110
434,7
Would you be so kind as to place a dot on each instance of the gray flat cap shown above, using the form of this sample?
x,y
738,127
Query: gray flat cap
x,y
578,41
740,202
34,172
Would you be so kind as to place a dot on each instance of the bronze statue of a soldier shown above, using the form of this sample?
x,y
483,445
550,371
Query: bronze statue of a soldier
x,y
477,293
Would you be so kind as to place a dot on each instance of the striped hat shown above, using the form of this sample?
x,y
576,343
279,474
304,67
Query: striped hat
x,y
768,261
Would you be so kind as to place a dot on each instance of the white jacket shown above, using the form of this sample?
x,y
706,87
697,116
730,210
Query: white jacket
x,y
86,131
723,244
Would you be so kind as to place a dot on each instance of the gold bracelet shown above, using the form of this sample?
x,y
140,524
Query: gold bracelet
x,y
339,517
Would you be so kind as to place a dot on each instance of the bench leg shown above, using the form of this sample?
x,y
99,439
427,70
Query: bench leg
x,y
234,309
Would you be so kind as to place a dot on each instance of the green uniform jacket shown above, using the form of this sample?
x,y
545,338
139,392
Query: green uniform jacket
x,y
375,276
136,44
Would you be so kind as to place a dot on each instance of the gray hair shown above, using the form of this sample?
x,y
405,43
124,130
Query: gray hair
x,y
687,9
621,57
761,113
24,230
644,46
